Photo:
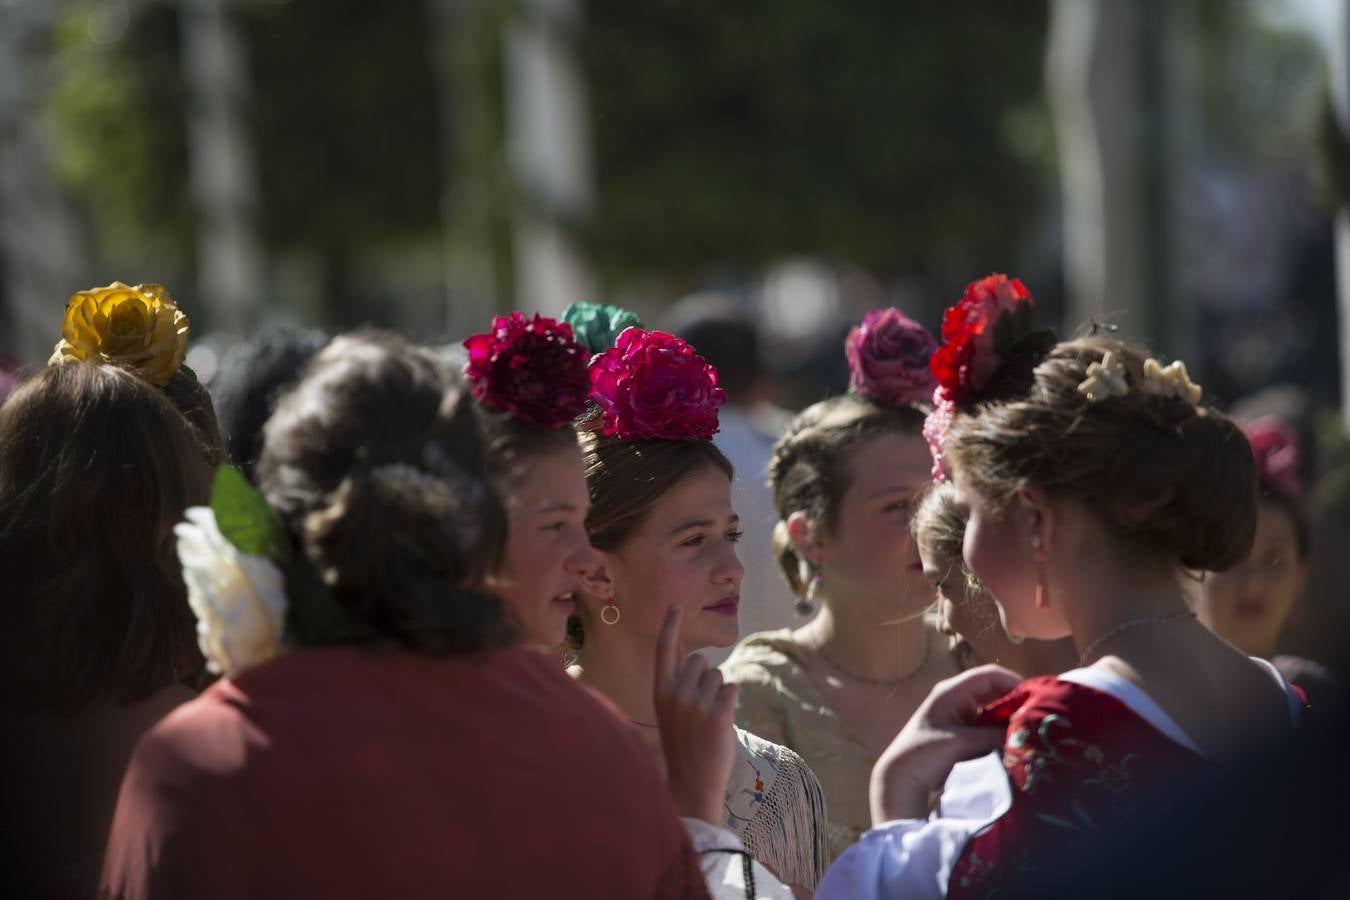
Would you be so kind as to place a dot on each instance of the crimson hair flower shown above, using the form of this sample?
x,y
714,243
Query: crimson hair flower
x,y
1275,447
532,369
889,358
653,385
982,328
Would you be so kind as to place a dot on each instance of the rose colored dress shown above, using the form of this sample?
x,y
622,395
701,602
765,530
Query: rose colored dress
x,y
347,773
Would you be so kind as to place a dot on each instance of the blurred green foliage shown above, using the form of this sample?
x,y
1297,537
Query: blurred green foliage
x,y
871,132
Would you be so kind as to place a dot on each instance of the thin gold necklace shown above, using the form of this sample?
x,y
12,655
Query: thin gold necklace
x,y
1126,626
882,682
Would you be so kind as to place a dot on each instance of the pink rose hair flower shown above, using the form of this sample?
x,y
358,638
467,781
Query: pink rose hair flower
x,y
653,385
935,429
532,369
1275,447
889,357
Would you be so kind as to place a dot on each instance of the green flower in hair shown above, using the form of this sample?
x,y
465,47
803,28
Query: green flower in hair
x,y
597,326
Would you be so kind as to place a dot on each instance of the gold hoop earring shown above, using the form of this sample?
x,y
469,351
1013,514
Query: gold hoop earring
x,y
605,614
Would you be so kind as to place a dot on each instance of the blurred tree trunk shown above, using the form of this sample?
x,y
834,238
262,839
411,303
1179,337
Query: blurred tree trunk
x,y
222,167
549,148
1119,81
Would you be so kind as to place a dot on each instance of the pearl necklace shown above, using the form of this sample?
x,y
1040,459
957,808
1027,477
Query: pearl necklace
x,y
1127,625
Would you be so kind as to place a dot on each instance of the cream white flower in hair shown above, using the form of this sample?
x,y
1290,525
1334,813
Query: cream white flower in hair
x,y
1105,379
239,600
1170,381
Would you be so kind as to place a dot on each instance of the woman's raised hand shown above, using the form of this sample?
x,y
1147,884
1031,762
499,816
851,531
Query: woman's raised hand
x,y
695,711
941,733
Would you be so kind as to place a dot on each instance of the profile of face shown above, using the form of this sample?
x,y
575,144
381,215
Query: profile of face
x,y
685,551
1249,604
998,549
547,551
871,552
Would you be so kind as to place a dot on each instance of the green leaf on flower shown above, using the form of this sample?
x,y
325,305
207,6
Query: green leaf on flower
x,y
597,326
245,518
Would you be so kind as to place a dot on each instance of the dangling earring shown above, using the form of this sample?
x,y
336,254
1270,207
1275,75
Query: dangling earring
x,y
807,605
1042,574
610,615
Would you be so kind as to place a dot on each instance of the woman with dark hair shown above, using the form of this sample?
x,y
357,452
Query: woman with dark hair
x,y
96,467
529,377
663,525
376,739
1090,476
845,477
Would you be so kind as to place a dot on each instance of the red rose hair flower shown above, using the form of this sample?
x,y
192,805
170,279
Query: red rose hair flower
x,y
532,369
992,316
889,357
653,385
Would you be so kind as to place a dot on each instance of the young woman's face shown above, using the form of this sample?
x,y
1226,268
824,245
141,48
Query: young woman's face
x,y
998,550
872,555
1249,604
547,552
685,550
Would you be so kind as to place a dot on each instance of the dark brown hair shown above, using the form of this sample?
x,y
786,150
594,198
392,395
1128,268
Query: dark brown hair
x,y
191,399
512,444
810,469
374,463
1174,481
625,478
96,467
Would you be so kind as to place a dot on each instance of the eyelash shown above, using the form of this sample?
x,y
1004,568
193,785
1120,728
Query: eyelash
x,y
697,540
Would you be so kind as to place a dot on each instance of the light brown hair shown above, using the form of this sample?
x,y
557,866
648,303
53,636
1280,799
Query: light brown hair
x,y
96,467
810,470
1173,481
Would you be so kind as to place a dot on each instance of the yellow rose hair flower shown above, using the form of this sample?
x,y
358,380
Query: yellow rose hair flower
x,y
136,328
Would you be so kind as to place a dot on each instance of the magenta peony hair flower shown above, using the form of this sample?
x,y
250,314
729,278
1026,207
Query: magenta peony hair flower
x,y
888,359
532,369
653,385
1275,447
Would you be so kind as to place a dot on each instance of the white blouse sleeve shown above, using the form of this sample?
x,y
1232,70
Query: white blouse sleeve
x,y
722,858
912,859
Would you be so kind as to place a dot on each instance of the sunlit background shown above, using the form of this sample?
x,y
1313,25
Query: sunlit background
x,y
1168,167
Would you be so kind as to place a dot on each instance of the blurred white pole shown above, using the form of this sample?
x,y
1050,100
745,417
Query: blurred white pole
x,y
221,163
39,256
1340,99
1091,81
548,141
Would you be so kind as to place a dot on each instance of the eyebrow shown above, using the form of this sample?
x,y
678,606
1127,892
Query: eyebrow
x,y
895,489
546,506
702,523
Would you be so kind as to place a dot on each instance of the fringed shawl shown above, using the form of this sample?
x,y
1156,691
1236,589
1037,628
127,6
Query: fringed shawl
x,y
775,806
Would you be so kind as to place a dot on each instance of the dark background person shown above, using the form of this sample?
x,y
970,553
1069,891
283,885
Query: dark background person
x,y
96,467
251,377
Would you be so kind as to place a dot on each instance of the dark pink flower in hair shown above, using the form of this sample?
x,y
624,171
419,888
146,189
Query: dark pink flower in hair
x,y
1275,447
532,369
888,358
653,385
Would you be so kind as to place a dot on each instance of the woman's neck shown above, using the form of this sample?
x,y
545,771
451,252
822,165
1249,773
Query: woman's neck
x,y
850,635
1098,600
621,666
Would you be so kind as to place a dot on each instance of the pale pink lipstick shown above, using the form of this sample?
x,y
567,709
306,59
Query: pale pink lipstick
x,y
727,606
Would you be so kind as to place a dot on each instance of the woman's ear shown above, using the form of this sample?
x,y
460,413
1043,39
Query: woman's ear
x,y
805,537
1039,514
